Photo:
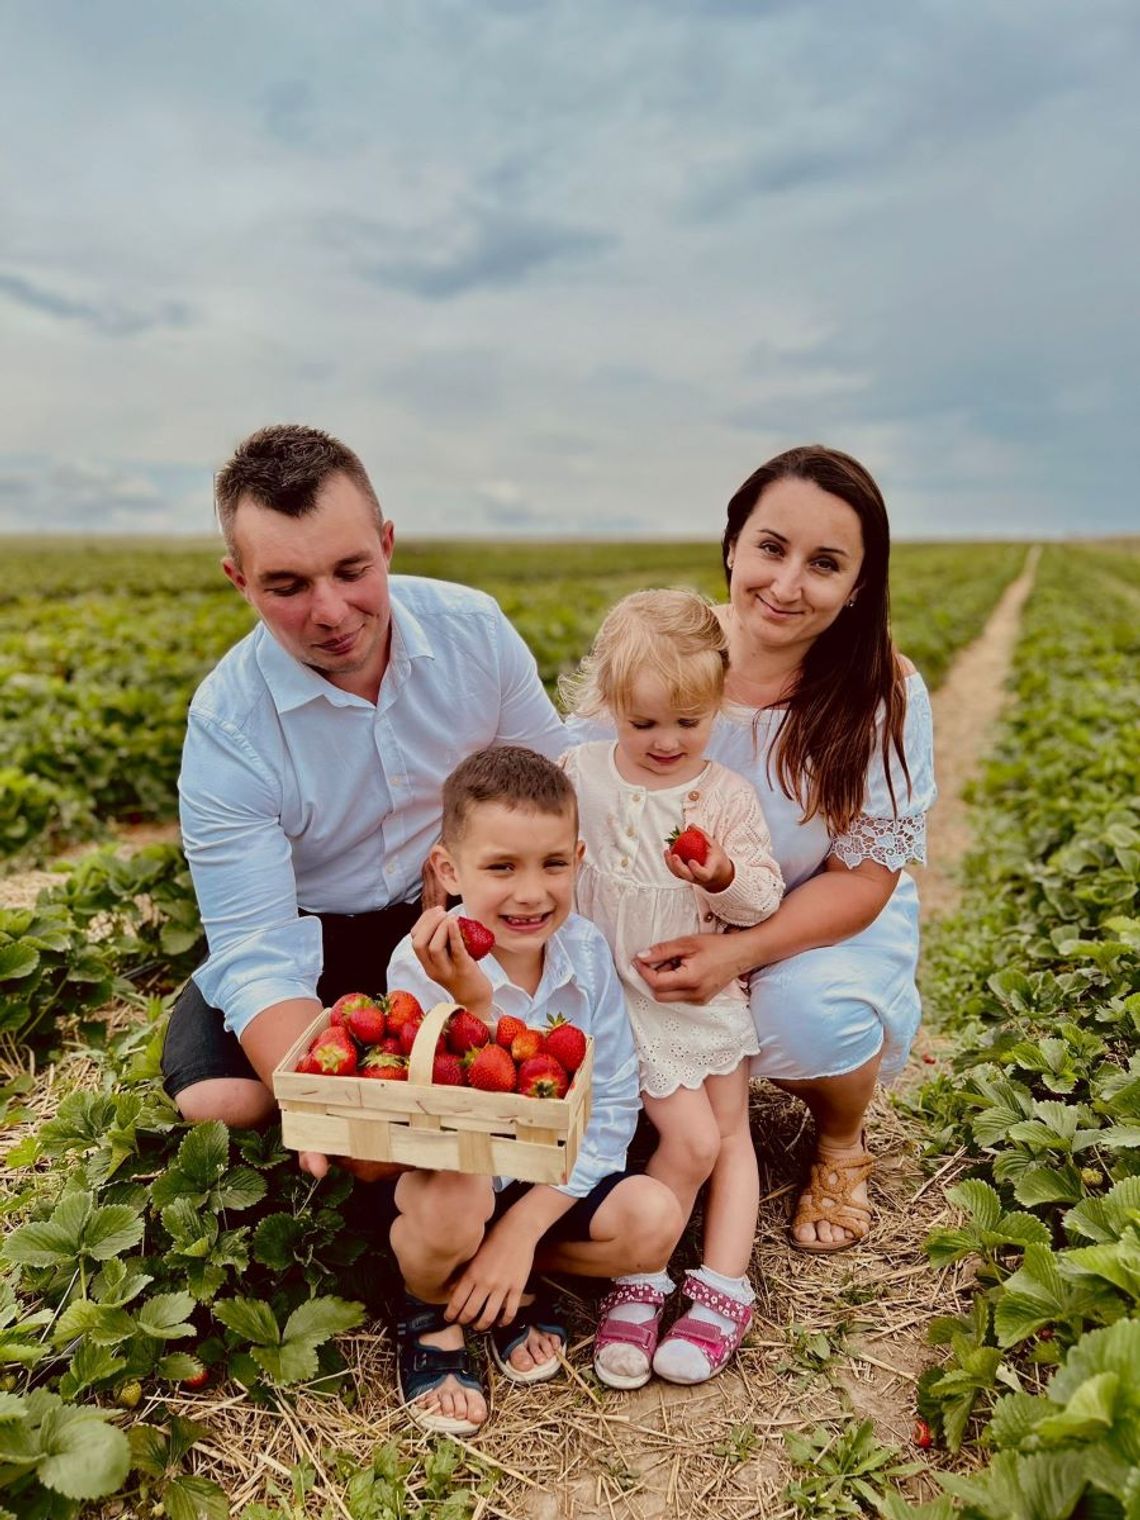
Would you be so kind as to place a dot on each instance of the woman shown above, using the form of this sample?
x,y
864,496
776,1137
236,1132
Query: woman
x,y
833,727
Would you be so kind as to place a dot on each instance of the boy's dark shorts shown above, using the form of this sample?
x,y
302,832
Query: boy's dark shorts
x,y
357,949
374,1208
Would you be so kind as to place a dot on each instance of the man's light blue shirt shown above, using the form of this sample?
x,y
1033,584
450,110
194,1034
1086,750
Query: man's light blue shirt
x,y
296,794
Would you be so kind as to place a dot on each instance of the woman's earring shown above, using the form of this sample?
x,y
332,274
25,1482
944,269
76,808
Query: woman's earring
x,y
850,601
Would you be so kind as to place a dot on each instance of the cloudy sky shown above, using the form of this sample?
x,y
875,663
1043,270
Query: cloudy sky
x,y
572,268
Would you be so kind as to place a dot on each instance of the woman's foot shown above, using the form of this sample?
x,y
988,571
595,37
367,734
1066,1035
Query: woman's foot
x,y
629,1322
438,1379
833,1211
700,1344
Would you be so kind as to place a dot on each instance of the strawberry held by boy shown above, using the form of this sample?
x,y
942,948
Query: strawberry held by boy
x,y
467,1246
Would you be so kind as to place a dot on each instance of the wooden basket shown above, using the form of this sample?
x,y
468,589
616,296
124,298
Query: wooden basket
x,y
442,1129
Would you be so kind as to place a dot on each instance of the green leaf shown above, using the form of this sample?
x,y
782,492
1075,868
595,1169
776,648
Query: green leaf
x,y
50,1242
318,1319
1048,1184
84,1457
192,1498
203,1154
112,1230
149,1450
1088,1414
250,1318
276,1240
979,1200
17,961
240,1189
176,1365
163,1317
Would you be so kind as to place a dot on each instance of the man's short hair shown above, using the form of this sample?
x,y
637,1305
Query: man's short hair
x,y
284,467
510,775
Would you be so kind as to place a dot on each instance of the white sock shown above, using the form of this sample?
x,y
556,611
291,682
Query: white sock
x,y
680,1361
629,1361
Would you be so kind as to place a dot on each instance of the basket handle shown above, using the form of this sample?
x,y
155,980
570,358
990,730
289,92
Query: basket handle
x,y
423,1048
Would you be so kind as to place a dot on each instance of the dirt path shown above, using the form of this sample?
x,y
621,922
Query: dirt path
x,y
21,889
834,1339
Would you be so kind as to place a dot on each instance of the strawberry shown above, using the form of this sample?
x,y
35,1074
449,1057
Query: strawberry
x,y
565,1042
506,1029
408,1031
922,1435
477,939
334,1052
130,1394
197,1379
398,1005
689,845
362,1017
384,1067
525,1045
447,1070
465,1032
308,1064
391,1045
492,1070
543,1077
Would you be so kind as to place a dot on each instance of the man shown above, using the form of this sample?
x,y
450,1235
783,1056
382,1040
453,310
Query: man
x,y
314,757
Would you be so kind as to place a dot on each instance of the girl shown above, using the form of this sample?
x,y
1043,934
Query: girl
x,y
657,672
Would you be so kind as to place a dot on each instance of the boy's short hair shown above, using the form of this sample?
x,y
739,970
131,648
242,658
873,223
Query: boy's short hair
x,y
674,635
285,467
508,774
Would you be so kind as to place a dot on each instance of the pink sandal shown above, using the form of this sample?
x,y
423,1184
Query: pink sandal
x,y
709,1339
624,1332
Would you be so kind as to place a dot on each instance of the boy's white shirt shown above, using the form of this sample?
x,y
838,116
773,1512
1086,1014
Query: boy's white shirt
x,y
578,981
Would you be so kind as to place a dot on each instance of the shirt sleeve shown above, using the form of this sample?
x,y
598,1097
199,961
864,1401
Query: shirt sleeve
x,y
616,1100
261,951
526,714
757,884
893,834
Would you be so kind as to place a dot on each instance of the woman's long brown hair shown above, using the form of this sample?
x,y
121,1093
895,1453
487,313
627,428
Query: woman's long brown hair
x,y
851,674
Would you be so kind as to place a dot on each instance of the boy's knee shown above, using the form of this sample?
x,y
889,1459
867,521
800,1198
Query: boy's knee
x,y
447,1211
238,1101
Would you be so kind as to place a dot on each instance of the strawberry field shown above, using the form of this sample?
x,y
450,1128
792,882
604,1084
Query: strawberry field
x,y
160,1285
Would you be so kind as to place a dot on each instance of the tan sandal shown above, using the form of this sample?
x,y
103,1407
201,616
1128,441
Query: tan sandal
x,y
827,1197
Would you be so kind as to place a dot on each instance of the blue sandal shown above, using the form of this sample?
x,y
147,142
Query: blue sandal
x,y
421,1369
505,1339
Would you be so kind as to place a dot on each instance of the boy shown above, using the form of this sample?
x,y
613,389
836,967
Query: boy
x,y
466,1245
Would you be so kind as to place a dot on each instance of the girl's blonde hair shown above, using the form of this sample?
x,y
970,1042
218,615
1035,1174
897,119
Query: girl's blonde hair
x,y
674,635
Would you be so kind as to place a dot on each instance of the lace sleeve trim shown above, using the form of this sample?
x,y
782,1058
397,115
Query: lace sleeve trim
x,y
892,842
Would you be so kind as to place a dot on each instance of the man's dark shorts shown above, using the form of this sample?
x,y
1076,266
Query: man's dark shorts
x,y
357,948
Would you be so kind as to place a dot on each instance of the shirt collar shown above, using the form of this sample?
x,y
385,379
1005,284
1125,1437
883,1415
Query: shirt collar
x,y
292,685
557,967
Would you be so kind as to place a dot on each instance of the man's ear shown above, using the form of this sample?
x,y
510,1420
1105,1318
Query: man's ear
x,y
233,574
388,539
445,869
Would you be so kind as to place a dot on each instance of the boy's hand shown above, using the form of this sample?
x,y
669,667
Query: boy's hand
x,y
495,1278
439,947
715,875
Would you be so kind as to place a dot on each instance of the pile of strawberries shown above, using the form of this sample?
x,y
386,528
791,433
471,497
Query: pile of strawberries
x,y
373,1037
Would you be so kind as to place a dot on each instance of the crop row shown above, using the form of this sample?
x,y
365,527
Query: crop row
x,y
1036,981
94,687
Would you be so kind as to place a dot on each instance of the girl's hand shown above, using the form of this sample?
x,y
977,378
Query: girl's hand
x,y
692,969
715,875
439,947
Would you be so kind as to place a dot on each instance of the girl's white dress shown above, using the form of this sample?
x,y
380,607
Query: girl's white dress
x,y
828,1011
625,887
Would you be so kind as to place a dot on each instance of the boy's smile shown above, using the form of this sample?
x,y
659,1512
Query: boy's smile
x,y
515,870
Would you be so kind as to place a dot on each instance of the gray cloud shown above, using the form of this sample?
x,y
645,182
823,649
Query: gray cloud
x,y
109,318
496,252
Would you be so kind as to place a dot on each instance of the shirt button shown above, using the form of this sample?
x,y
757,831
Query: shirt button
x,y
694,796
624,860
632,833
637,796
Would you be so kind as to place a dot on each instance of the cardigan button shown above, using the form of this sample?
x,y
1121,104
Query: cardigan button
x,y
708,918
694,796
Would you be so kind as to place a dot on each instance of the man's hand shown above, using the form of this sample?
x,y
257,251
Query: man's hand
x,y
715,875
317,1164
494,1279
439,947
692,969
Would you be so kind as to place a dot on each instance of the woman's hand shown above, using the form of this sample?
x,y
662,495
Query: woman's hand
x,y
692,969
